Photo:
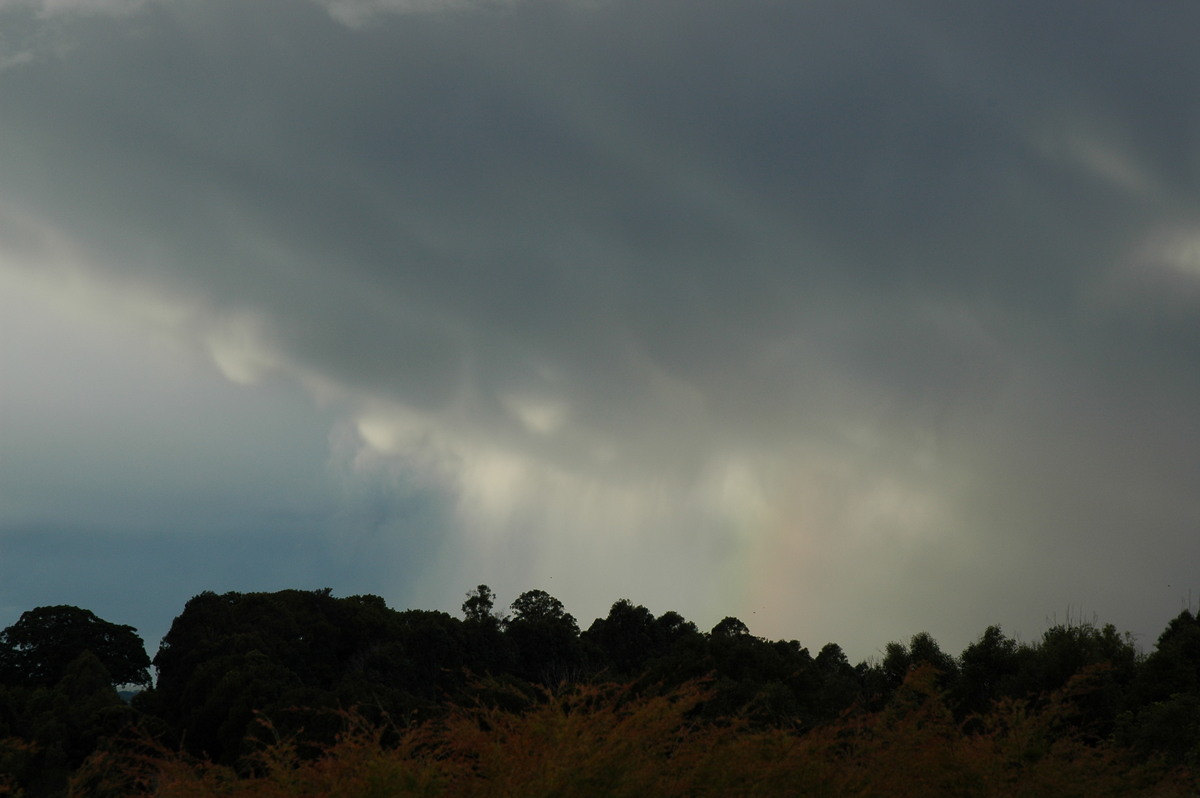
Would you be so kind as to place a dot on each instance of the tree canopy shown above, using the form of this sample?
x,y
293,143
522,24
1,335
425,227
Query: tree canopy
x,y
42,644
295,659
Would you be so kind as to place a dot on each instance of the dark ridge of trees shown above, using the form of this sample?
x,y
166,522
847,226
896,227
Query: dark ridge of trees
x,y
298,658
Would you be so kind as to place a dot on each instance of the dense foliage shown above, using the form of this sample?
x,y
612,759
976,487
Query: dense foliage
x,y
605,740
304,693
39,648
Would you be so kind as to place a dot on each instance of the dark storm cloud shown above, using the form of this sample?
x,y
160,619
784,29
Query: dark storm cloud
x,y
940,258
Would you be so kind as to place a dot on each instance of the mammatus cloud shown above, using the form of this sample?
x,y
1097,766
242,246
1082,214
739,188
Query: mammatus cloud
x,y
783,311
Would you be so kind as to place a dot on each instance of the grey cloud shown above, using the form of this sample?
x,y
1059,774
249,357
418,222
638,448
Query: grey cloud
x,y
644,237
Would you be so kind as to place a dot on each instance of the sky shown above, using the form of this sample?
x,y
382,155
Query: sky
x,y
848,319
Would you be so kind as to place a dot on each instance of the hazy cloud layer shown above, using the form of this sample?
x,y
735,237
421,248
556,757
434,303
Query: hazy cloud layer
x,y
849,320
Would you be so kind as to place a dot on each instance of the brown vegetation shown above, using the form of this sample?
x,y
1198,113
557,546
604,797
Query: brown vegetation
x,y
607,741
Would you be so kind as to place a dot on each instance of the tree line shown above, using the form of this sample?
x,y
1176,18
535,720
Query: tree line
x,y
237,672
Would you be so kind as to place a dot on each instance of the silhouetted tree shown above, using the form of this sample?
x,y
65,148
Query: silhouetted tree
x,y
479,608
729,627
546,639
42,644
229,655
535,606
1162,713
293,655
839,687
627,639
1097,664
895,665
1173,668
988,672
